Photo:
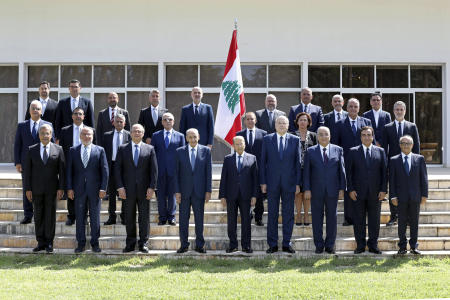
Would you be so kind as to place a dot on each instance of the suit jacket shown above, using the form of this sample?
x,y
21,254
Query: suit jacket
x,y
314,111
256,148
166,156
383,118
146,120
277,173
408,187
64,114
195,182
49,114
108,144
24,140
262,119
66,139
330,122
366,180
204,122
324,179
43,178
232,182
344,134
89,180
104,122
136,179
391,142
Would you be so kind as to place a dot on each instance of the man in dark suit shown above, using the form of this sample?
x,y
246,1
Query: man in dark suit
x,y
265,118
306,106
166,142
198,115
27,135
111,143
238,190
408,183
67,105
280,176
136,172
193,181
338,113
324,183
392,133
87,180
253,137
151,117
44,184
378,117
105,120
348,136
367,186
48,112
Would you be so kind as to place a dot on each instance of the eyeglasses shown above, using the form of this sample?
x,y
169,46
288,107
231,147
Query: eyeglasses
x,y
405,143
35,108
167,120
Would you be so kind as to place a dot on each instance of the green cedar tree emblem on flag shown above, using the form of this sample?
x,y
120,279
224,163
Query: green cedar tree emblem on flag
x,y
231,92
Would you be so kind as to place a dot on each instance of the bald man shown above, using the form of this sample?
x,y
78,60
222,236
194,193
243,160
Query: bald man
x,y
105,120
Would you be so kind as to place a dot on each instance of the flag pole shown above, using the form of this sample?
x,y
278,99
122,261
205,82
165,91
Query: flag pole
x,y
235,24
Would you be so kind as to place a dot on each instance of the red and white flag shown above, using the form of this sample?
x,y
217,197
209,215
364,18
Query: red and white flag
x,y
231,102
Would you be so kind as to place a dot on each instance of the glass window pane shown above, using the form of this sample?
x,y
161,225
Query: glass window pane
x,y
253,76
392,76
429,123
211,76
323,76
37,74
323,99
364,101
285,76
390,99
9,76
426,76
101,102
135,102
174,102
35,95
82,73
254,102
109,76
181,76
142,76
285,100
357,76
8,123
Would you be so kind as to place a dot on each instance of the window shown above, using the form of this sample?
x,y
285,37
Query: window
x,y
37,74
392,76
426,76
9,76
324,76
357,76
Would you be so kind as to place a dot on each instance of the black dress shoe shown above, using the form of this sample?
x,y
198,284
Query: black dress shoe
x,y
247,250
38,248
160,223
128,249
288,250
318,250
415,251
25,220
392,222
96,249
144,249
49,249
172,222
306,224
346,223
79,249
401,251
375,250
330,250
69,222
200,250
182,250
272,250
259,223
298,224
231,250
359,250
111,221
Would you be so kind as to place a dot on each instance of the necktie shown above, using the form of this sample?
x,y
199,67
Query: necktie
x,y
353,128
406,165
250,138
280,148
367,157
117,144
45,155
74,104
154,116
325,157
34,131
339,116
77,136
136,155
306,108
271,118
193,158
166,139
399,130
196,111
112,117
239,163
85,157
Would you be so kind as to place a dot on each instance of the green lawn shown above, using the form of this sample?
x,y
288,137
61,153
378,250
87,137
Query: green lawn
x,y
89,277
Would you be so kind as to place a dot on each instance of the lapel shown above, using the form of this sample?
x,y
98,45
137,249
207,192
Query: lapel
x,y
93,152
371,117
28,130
363,156
106,115
68,106
197,158
233,163
265,118
275,144
319,154
129,149
142,148
188,157
413,164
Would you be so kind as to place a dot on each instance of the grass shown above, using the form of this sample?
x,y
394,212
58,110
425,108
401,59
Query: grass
x,y
90,277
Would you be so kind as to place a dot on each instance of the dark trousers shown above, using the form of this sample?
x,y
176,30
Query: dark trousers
x,y
371,206
93,203
112,194
27,205
318,206
198,206
70,209
408,213
287,214
394,210
259,205
166,198
129,208
348,208
232,212
44,218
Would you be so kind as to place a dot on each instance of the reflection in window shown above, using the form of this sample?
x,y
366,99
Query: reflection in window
x,y
82,73
324,76
211,75
392,76
364,101
286,99
357,76
135,102
284,76
323,99
109,76
426,76
142,76
181,75
37,74
253,76
8,123
9,76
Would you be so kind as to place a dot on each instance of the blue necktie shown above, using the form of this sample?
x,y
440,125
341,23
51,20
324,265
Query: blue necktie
x,y
367,158
280,148
353,128
85,157
136,155
166,139
193,158
34,131
406,165
399,130
239,163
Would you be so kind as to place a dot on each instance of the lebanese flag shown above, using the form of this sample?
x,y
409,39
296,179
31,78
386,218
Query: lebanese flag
x,y
231,105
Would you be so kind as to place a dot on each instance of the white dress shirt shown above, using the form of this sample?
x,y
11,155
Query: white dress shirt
x,y
115,146
44,103
193,106
409,159
237,159
305,107
327,151
89,147
170,134
284,141
76,135
376,115
111,111
47,150
370,150
37,125
195,152
253,135
401,124
336,115
133,148
77,102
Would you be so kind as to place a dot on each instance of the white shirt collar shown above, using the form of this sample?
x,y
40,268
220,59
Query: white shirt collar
x,y
80,127
37,122
48,145
134,144
170,131
409,156
338,112
376,111
370,148
237,156
397,122
44,100
350,118
190,148
284,136
88,146
155,108
115,130
268,111
72,98
193,104
327,147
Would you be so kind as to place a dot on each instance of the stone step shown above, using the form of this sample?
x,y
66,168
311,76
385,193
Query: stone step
x,y
219,243
425,230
